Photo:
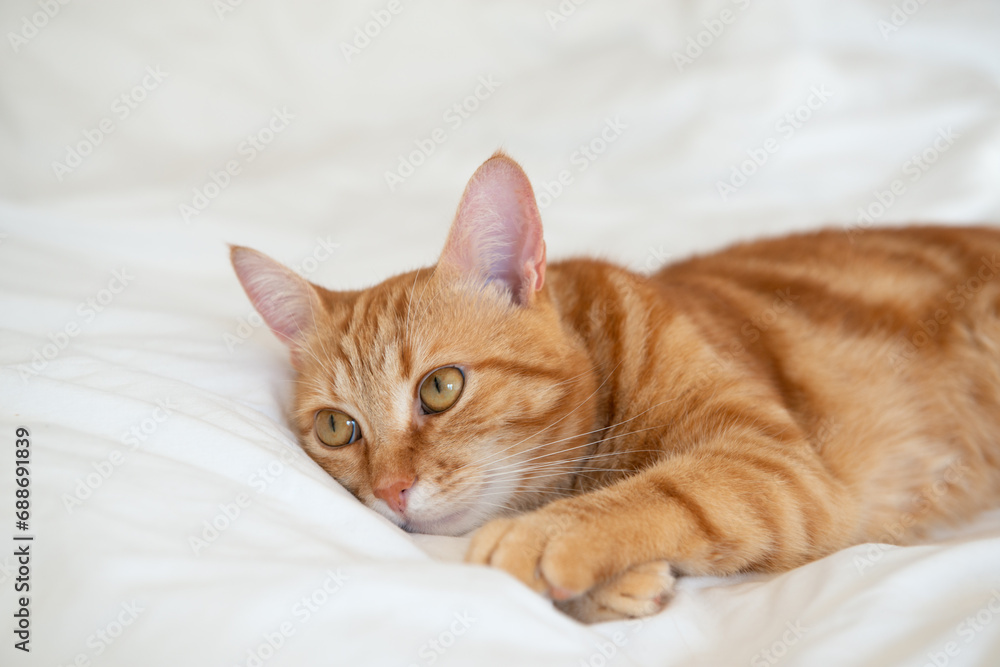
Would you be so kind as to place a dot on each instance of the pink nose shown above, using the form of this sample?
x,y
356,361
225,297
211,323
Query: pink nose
x,y
393,491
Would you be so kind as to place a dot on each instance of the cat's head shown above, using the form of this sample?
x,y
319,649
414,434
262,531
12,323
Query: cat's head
x,y
446,396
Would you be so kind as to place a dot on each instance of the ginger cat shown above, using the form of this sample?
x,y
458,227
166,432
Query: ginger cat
x,y
753,409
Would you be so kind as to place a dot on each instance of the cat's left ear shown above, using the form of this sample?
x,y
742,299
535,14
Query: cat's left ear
x,y
497,232
288,302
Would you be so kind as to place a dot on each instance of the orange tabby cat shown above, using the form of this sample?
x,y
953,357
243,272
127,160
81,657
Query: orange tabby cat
x,y
754,409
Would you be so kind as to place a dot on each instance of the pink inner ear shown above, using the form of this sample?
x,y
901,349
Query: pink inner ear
x,y
284,299
497,233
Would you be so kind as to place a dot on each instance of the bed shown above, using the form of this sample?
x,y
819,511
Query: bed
x,y
174,521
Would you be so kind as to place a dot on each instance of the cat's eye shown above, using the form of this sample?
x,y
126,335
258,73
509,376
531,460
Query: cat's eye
x,y
441,389
336,429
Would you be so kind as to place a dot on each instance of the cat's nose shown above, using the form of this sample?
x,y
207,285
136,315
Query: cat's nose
x,y
393,491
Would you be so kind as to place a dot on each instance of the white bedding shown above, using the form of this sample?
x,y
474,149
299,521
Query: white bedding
x,y
155,399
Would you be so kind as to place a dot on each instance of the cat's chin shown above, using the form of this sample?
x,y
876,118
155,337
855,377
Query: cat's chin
x,y
454,524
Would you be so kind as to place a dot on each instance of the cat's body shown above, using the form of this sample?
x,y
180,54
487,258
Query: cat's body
x,y
881,353
749,410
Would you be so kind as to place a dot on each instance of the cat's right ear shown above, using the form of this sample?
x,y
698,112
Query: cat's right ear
x,y
497,232
287,301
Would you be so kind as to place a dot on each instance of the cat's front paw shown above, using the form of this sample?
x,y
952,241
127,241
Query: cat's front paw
x,y
642,590
576,561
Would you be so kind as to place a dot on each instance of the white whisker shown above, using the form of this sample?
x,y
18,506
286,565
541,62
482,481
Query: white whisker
x,y
582,403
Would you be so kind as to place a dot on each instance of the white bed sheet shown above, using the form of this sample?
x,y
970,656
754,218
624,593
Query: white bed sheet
x,y
169,369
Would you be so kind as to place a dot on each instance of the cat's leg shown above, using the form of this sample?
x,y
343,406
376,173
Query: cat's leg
x,y
718,509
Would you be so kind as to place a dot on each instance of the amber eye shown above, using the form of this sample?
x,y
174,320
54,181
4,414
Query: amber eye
x,y
441,389
336,429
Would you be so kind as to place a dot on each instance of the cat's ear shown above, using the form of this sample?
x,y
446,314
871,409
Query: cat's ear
x,y
287,301
497,232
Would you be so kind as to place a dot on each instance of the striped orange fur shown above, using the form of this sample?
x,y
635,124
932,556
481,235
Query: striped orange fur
x,y
753,409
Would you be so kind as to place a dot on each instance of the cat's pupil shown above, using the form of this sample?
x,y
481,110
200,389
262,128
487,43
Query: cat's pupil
x,y
333,423
437,383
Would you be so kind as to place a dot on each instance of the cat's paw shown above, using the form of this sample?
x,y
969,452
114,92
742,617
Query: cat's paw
x,y
572,557
642,590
